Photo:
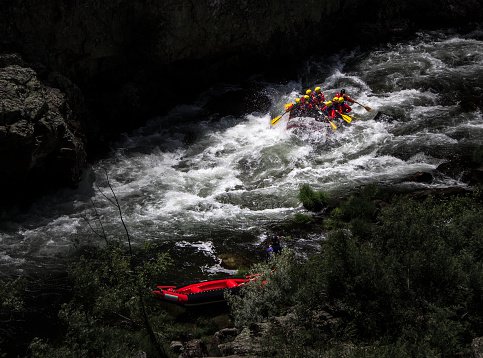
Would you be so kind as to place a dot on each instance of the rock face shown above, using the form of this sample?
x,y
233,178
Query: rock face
x,y
41,143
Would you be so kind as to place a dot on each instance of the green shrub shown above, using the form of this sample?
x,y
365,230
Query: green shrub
x,y
270,293
105,316
312,200
302,219
360,205
402,281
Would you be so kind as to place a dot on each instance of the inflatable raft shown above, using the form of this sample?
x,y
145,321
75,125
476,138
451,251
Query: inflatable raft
x,y
200,293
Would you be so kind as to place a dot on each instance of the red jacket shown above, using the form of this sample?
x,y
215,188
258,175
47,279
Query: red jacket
x,y
318,97
345,108
346,97
329,111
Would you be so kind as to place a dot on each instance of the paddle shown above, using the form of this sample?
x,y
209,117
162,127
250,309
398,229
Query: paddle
x,y
367,108
332,124
276,119
345,117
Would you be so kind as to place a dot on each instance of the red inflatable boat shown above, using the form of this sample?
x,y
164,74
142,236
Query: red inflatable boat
x,y
200,293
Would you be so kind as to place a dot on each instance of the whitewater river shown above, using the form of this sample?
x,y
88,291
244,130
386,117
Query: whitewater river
x,y
205,185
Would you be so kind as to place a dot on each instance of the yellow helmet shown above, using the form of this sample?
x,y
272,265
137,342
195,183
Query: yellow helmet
x,y
328,103
308,92
335,99
341,99
317,89
288,105
297,100
307,97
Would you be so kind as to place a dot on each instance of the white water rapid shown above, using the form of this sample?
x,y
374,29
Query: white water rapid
x,y
206,185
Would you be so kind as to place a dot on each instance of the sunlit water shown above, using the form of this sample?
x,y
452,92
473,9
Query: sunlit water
x,y
205,185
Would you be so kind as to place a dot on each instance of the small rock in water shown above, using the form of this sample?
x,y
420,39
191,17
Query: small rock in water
x,y
384,117
420,177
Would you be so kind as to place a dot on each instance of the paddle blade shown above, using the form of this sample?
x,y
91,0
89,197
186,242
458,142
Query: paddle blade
x,y
275,120
367,108
346,118
332,124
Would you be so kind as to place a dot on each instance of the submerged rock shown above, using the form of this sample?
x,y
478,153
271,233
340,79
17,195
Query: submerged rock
x,y
41,140
420,177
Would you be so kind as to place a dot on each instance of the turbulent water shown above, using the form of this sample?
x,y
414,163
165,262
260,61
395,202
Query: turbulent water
x,y
205,185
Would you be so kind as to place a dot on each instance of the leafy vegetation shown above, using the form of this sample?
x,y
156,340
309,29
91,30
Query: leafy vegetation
x,y
399,279
396,277
107,313
312,200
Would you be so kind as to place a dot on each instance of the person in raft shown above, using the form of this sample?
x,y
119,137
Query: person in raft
x,y
318,96
293,108
342,93
341,106
328,110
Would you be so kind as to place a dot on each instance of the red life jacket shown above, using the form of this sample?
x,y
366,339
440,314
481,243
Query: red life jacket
x,y
345,108
346,97
318,97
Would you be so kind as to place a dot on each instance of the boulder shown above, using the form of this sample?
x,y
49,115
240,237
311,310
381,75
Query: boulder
x,y
176,347
193,348
225,335
41,137
477,347
250,341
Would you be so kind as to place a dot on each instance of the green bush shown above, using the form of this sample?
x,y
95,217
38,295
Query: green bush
x,y
402,281
302,219
269,293
106,315
312,200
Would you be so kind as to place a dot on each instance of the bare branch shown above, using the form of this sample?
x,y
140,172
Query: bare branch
x,y
120,213
90,226
98,217
104,195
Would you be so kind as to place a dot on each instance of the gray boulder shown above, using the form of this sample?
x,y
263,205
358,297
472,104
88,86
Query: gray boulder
x,y
41,137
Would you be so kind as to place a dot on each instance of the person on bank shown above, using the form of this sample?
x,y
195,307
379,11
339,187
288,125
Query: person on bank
x,y
273,248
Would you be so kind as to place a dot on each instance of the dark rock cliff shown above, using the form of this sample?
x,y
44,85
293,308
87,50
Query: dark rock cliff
x,y
41,137
135,58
